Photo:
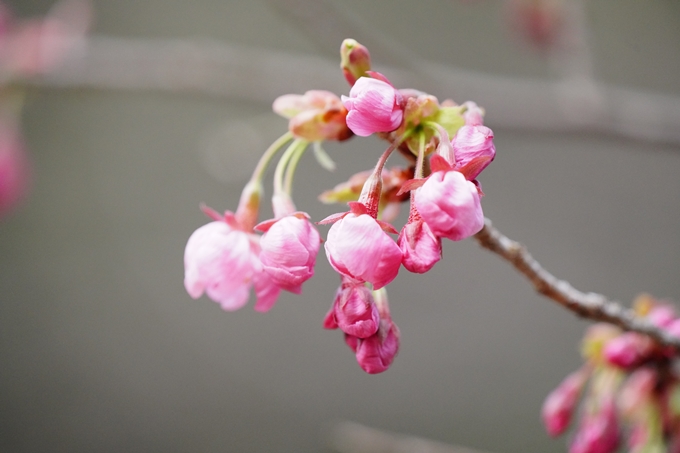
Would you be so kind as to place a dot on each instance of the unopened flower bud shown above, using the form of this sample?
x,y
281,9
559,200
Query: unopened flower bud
x,y
628,350
598,432
420,246
560,404
473,147
358,248
354,60
288,251
355,312
450,205
376,353
374,106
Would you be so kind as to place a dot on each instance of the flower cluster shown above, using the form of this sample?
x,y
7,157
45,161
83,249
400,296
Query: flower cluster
x,y
446,147
632,390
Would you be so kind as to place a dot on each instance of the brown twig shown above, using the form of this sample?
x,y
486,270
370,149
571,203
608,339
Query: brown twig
x,y
586,305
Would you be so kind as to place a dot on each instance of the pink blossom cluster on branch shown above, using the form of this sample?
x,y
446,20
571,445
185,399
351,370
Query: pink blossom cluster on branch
x,y
446,147
633,391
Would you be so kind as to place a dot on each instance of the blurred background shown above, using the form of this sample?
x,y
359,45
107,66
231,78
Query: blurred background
x,y
167,104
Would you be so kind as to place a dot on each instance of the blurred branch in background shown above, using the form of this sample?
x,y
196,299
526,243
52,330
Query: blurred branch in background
x,y
350,437
237,72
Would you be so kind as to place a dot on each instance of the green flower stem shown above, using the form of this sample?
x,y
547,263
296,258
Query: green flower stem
x,y
249,204
292,149
261,167
292,165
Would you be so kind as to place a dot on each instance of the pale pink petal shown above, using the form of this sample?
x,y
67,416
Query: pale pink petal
x,y
358,248
374,106
421,248
450,205
474,143
288,251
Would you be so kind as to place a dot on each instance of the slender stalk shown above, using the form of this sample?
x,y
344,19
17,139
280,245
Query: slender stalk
x,y
586,305
370,193
292,165
283,164
262,164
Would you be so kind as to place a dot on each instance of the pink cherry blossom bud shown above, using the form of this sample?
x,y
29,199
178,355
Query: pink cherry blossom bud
x,y
473,145
637,391
222,261
374,106
314,116
661,315
450,205
355,311
421,249
540,22
376,353
559,406
598,432
288,251
628,350
14,168
354,60
358,248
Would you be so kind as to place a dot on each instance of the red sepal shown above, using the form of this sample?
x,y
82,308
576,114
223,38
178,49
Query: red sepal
x,y
388,228
472,167
378,76
332,218
210,212
411,184
439,163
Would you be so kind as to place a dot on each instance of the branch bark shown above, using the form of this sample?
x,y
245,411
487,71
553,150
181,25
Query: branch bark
x,y
586,305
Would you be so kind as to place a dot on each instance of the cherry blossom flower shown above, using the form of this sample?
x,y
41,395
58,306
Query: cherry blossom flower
x,y
473,144
450,205
374,106
376,353
599,431
222,260
289,247
358,248
420,247
354,310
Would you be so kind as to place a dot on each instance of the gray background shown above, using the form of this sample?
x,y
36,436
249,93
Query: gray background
x,y
102,350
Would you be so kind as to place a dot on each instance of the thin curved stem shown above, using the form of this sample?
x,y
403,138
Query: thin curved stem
x,y
586,305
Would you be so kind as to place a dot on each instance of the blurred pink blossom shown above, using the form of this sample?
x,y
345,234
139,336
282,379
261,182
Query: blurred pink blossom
x,y
222,260
14,167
